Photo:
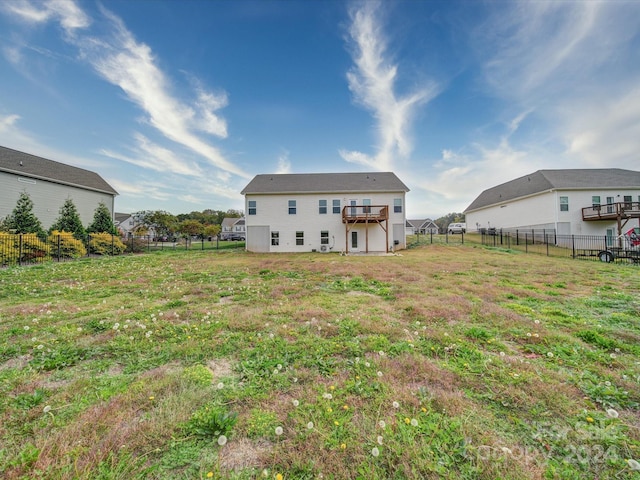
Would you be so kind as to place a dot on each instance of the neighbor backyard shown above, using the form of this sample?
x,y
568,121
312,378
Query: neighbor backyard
x,y
444,361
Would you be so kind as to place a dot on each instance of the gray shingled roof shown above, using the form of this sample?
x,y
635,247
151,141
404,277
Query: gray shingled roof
x,y
545,180
28,165
325,183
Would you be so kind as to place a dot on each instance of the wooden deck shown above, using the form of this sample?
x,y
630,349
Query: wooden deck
x,y
365,213
621,212
611,211
371,216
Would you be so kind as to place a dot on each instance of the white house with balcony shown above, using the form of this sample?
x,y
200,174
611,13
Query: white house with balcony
x,y
569,202
323,212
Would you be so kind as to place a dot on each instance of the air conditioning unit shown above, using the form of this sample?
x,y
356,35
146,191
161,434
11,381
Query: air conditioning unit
x,y
324,248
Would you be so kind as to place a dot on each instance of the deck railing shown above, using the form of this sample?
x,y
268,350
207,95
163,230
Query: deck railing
x,y
611,211
365,213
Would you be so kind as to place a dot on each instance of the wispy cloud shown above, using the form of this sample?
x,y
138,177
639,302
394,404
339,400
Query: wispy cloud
x,y
66,12
284,165
372,81
574,65
131,65
152,156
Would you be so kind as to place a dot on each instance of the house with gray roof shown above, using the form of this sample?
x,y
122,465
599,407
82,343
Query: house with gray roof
x,y
49,184
233,228
324,212
421,227
602,201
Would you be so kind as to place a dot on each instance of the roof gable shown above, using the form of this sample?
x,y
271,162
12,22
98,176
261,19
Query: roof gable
x,y
546,180
294,183
27,165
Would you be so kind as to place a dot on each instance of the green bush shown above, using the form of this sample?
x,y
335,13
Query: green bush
x,y
65,245
106,244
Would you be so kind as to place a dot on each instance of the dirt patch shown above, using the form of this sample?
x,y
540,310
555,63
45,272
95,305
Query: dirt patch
x,y
243,453
219,368
18,362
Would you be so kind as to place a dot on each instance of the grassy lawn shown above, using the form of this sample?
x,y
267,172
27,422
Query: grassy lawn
x,y
447,361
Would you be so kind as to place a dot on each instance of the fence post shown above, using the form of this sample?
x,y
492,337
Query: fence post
x,y
526,243
517,238
20,250
547,242
59,247
573,246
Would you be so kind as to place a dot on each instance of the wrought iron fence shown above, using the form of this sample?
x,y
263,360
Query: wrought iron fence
x,y
26,248
548,242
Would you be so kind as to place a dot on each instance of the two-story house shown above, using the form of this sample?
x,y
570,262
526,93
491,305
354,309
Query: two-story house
x,y
343,212
570,202
49,184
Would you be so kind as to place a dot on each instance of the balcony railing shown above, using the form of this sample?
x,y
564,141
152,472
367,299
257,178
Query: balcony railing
x,y
365,213
611,211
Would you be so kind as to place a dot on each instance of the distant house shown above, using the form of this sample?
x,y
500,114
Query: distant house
x,y
345,212
49,184
233,228
421,227
570,202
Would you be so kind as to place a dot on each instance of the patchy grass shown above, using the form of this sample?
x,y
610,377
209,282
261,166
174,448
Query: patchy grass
x,y
442,362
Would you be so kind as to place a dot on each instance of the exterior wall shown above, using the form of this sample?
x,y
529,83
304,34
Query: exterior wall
x,y
48,197
543,212
272,211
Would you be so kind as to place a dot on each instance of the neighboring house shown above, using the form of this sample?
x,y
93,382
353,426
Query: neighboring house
x,y
345,212
570,202
125,223
233,228
421,227
49,184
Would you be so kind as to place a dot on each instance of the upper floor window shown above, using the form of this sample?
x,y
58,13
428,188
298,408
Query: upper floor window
x,y
292,207
595,200
299,238
366,202
397,205
324,237
322,207
252,207
564,204
336,205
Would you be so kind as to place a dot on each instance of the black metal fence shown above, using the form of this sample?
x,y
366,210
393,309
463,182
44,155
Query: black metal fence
x,y
548,242
25,249
435,239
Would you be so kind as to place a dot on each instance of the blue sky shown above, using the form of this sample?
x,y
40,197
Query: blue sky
x,y
178,104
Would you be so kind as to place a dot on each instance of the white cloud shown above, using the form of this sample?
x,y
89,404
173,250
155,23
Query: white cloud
x,y
372,81
8,121
284,165
149,155
70,16
131,65
574,66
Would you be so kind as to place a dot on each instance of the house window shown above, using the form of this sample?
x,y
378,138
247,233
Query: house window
x,y
595,201
336,205
322,207
397,205
564,204
292,207
252,207
324,237
275,238
299,238
366,202
627,201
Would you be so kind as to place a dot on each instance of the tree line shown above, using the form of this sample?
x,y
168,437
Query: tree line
x,y
207,223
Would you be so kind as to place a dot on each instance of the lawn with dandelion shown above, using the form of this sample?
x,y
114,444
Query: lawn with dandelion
x,y
443,362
